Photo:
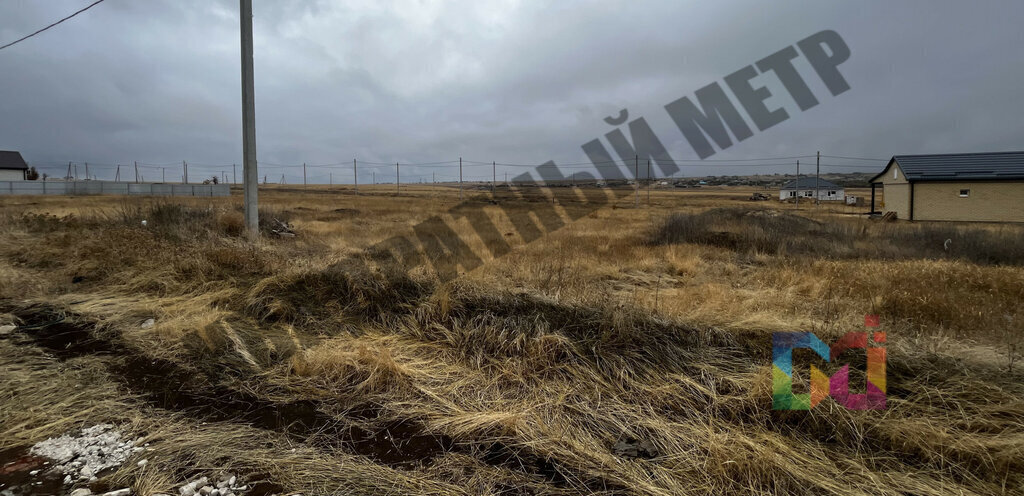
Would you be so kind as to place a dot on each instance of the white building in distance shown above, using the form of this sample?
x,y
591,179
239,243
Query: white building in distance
x,y
805,187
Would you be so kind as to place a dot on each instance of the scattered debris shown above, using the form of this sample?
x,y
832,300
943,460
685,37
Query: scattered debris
x,y
86,492
226,485
148,323
82,457
22,464
282,229
632,448
7,329
758,197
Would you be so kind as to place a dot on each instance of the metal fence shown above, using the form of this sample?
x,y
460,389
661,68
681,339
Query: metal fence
x,y
111,188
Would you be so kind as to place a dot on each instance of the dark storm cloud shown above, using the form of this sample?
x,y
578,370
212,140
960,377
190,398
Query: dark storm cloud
x,y
513,81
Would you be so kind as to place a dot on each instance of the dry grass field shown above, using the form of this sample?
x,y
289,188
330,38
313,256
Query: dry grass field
x,y
628,352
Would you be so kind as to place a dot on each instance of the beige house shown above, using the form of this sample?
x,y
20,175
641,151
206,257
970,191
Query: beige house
x,y
983,187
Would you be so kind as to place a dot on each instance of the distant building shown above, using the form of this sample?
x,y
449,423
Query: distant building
x,y
987,187
805,187
12,166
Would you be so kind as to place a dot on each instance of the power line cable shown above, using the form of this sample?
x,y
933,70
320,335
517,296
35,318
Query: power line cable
x,y
15,42
858,158
676,161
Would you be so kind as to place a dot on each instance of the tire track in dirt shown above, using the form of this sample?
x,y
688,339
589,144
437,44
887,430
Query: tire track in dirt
x,y
401,444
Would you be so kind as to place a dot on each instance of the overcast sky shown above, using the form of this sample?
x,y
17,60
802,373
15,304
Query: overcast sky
x,y
157,81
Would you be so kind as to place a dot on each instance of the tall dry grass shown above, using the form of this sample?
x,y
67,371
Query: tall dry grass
x,y
618,330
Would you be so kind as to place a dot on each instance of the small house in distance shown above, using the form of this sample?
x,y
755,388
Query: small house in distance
x,y
12,166
805,187
982,187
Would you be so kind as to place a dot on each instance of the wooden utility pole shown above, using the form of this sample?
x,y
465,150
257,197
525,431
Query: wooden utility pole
x,y
648,183
303,175
163,174
494,176
817,183
87,171
68,177
234,178
374,177
460,178
251,176
117,175
355,175
184,171
398,178
136,172
797,185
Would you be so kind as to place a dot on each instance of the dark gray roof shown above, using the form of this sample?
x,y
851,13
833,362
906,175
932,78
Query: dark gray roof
x,y
809,183
961,166
12,160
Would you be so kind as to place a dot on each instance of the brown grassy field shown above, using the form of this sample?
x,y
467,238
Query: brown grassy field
x,y
628,352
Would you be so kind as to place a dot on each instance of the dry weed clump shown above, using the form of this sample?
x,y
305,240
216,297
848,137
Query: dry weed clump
x,y
331,295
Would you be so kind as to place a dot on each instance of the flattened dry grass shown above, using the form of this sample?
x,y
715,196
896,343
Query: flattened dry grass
x,y
616,329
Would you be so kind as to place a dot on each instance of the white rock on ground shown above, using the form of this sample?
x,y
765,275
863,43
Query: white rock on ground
x,y
119,492
226,485
7,329
93,450
81,492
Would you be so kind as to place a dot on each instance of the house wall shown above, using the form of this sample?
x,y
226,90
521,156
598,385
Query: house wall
x,y
897,199
1001,201
839,194
896,191
12,175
